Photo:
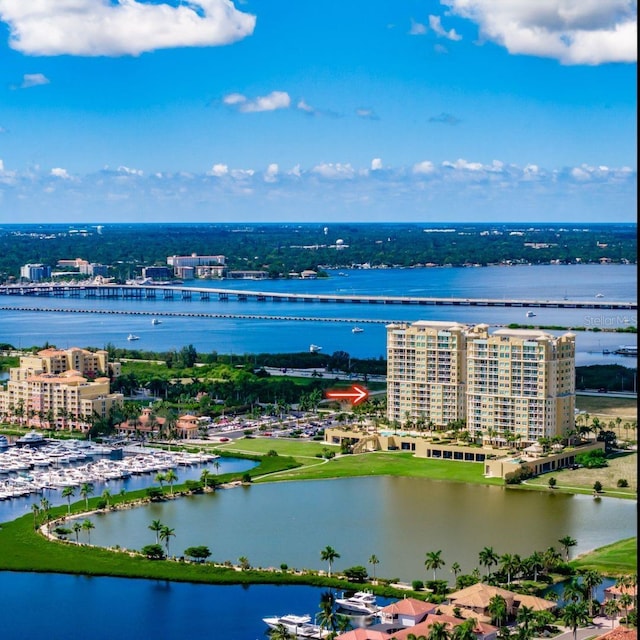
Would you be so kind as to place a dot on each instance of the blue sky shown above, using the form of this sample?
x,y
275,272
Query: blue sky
x,y
292,110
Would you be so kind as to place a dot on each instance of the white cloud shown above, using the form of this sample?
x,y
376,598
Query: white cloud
x,y
120,27
33,80
436,26
60,173
588,32
219,170
303,106
271,174
338,170
271,102
129,172
376,164
417,28
425,167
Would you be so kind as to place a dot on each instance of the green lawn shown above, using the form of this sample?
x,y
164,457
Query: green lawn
x,y
619,557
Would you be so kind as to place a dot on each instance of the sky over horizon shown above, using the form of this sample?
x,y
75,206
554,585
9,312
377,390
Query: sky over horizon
x,y
412,110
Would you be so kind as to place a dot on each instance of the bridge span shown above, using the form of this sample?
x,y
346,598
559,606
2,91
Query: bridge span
x,y
165,292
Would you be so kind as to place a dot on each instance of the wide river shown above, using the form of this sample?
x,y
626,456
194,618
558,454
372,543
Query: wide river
x,y
250,336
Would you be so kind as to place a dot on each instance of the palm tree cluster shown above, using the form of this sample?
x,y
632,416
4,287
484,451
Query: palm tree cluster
x,y
163,533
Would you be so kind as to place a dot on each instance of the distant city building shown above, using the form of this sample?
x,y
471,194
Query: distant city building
x,y
35,272
188,267
157,273
59,389
94,269
508,385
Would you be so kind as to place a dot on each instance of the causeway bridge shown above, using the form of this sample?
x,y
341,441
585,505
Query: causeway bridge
x,y
168,292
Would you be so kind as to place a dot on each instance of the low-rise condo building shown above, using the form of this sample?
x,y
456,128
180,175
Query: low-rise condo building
x,y
59,389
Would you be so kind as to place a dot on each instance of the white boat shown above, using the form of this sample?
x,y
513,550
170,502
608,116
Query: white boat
x,y
359,602
314,348
530,314
156,321
132,337
599,295
299,626
357,330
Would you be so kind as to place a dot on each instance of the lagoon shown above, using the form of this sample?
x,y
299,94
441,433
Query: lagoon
x,y
397,519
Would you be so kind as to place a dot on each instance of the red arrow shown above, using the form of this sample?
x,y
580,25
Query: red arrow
x,y
355,395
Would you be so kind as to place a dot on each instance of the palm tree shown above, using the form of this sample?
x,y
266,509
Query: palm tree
x,y
434,561
329,554
488,557
438,631
36,512
566,543
373,561
497,609
106,496
575,591
156,526
574,615
87,525
464,631
455,569
77,528
525,617
68,493
536,564
204,477
216,466
171,476
327,617
591,579
86,490
626,600
611,610
160,478
510,564
165,534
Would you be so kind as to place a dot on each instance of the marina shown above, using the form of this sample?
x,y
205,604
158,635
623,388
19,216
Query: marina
x,y
35,464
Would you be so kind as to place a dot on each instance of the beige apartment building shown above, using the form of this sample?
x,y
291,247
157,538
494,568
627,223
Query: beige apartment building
x,y
509,385
48,390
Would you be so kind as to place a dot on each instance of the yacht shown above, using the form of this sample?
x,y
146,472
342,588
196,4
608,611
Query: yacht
x,y
132,337
156,321
32,439
359,602
357,330
627,351
530,314
599,295
4,443
299,626
314,348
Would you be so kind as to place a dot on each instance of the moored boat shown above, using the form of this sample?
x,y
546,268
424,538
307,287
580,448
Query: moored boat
x,y
360,602
299,626
131,336
314,348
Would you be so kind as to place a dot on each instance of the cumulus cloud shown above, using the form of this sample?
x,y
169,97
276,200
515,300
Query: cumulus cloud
x,y
60,173
590,32
271,174
120,27
271,102
425,167
376,164
219,170
436,26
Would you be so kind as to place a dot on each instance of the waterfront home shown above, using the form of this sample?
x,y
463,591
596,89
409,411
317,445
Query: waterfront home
x,y
477,599
147,423
407,612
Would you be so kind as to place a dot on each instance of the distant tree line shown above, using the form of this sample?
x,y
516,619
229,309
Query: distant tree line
x,y
280,248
